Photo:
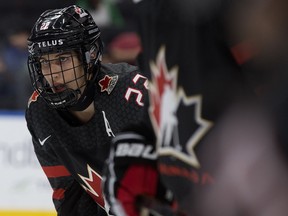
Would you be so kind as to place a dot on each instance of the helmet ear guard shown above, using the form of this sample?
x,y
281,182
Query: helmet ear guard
x,y
94,54
59,31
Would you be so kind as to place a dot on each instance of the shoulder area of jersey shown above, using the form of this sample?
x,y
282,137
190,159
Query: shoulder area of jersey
x,y
118,68
33,98
111,74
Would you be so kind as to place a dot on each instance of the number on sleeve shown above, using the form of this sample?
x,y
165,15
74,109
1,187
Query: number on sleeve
x,y
139,94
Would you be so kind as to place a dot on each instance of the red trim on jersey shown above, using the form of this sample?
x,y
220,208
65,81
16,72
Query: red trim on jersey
x,y
195,176
58,194
243,52
55,171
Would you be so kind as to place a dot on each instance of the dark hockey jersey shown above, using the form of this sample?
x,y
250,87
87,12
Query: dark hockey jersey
x,y
194,79
71,155
200,107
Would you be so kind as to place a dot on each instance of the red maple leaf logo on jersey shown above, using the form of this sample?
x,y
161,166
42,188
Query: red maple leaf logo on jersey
x,y
108,83
166,98
33,97
92,185
161,81
80,11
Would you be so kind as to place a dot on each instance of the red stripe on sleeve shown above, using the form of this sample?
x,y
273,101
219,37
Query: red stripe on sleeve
x,y
58,194
55,171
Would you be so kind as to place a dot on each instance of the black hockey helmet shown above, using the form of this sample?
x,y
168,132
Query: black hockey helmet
x,y
66,30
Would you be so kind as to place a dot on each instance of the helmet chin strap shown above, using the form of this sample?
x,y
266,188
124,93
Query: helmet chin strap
x,y
85,99
88,94
68,99
62,99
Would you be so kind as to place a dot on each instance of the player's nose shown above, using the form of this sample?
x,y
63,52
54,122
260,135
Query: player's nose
x,y
56,72
55,68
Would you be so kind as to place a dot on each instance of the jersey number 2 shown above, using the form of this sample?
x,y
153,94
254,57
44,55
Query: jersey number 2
x,y
139,94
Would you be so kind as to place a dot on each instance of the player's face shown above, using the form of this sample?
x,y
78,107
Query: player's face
x,y
63,71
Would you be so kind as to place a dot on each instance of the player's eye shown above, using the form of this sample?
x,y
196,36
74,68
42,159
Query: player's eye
x,y
44,62
63,59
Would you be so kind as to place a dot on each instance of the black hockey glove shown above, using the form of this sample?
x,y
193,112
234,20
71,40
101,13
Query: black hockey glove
x,y
131,182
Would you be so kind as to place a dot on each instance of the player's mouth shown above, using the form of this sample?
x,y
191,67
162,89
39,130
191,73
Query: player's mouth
x,y
57,87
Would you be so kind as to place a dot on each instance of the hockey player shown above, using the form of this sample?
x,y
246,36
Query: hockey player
x,y
78,105
203,58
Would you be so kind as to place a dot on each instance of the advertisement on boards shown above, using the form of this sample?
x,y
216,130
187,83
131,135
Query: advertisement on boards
x,y
24,189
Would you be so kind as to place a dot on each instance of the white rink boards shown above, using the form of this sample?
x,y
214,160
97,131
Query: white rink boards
x,y
23,185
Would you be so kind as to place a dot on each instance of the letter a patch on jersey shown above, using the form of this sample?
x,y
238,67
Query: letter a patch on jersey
x,y
107,125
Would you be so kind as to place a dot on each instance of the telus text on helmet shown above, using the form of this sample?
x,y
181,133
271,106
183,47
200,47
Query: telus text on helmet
x,y
50,43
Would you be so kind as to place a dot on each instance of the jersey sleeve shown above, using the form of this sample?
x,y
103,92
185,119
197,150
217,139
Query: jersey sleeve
x,y
135,104
131,180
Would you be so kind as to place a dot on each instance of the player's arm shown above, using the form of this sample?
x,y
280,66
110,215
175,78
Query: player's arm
x,y
131,180
131,183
